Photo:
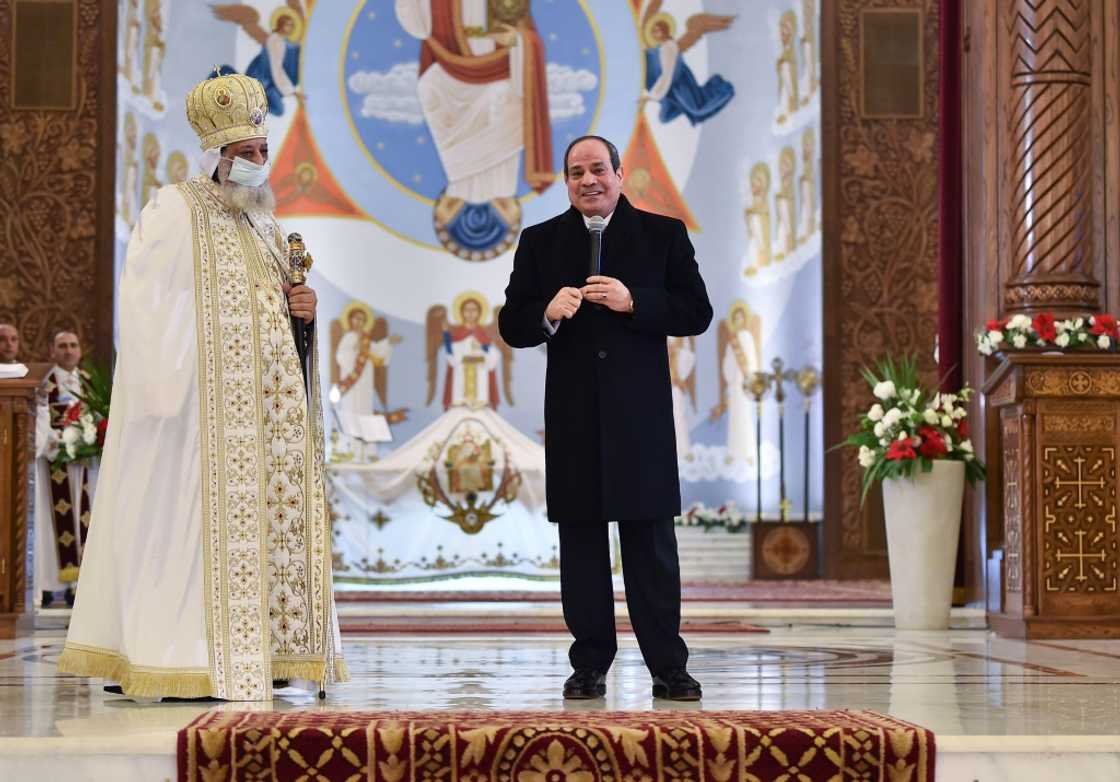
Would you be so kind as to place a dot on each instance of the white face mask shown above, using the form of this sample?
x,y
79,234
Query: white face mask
x,y
246,172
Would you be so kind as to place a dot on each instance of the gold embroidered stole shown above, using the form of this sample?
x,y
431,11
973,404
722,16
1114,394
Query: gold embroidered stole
x,y
266,538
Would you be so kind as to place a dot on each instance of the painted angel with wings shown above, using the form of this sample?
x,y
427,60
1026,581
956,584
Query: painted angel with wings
x,y
472,351
682,361
277,64
361,348
740,351
668,79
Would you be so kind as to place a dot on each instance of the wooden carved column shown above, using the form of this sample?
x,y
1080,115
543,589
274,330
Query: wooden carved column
x,y
1049,164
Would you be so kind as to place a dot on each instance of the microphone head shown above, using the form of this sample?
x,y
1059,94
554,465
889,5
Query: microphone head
x,y
596,224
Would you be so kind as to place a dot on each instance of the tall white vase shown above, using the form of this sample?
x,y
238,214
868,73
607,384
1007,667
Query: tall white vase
x,y
923,524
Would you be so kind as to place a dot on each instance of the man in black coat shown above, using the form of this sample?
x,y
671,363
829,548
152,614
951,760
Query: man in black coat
x,y
610,447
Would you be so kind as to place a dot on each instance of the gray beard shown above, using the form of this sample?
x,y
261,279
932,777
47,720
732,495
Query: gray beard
x,y
241,198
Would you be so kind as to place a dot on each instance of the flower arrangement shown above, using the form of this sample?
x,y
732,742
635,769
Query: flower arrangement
x,y
727,516
907,429
84,424
1097,332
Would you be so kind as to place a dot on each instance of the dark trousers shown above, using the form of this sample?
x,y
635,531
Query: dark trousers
x,y
652,575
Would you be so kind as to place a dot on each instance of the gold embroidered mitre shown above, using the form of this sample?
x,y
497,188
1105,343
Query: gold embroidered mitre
x,y
227,109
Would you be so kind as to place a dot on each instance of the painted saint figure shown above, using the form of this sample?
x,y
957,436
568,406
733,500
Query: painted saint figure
x,y
131,45
361,362
155,48
740,347
808,85
807,187
178,170
785,205
150,183
130,174
788,93
682,362
668,79
484,93
472,352
276,66
757,217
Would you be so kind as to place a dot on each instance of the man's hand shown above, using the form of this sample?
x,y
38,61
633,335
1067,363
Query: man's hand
x,y
301,301
564,304
609,292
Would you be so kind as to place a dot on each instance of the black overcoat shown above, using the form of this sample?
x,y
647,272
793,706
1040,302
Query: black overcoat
x,y
610,448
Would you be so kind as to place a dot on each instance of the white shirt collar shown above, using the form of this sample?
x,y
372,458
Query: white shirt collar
x,y
587,220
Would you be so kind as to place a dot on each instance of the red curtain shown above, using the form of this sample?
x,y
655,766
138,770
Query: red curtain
x,y
950,311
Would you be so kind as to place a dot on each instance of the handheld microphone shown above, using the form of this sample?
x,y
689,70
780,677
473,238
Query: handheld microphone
x,y
595,226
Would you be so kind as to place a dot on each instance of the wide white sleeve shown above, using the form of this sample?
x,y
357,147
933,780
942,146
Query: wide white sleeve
x,y
668,53
686,360
277,48
158,350
415,16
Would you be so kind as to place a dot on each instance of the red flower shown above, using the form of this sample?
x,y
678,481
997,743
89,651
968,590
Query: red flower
x,y
1044,325
72,414
933,443
102,428
900,450
962,428
996,325
1104,324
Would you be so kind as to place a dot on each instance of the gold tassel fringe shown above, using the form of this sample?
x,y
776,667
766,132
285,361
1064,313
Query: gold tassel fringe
x,y
102,664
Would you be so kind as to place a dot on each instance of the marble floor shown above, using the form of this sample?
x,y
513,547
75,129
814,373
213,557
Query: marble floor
x,y
1000,706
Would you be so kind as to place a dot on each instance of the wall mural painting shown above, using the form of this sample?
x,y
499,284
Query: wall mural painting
x,y
413,140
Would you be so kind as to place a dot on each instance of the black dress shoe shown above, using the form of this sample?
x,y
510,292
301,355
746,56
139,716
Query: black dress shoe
x,y
113,689
584,684
47,599
675,684
69,597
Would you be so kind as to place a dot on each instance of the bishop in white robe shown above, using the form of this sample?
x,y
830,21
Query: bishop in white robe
x,y
207,571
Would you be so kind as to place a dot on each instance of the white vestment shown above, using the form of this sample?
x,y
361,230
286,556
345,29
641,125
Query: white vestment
x,y
787,85
785,240
46,444
207,570
740,406
477,128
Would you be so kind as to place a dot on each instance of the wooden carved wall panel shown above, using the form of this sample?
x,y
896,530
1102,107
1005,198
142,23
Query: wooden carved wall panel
x,y
51,186
1049,141
881,257
1012,507
1079,535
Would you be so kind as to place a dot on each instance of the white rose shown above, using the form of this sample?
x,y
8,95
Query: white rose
x,y
903,436
892,417
1021,322
959,413
89,435
875,413
880,429
1079,323
995,337
884,390
946,421
929,415
1019,341
71,450
866,457
1062,340
883,441
69,436
984,347
1082,337
1103,342
966,446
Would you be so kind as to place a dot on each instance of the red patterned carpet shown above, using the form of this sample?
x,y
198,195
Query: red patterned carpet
x,y
863,593
500,746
